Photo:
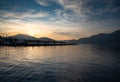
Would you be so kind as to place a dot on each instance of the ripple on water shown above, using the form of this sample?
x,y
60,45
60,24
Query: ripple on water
x,y
82,63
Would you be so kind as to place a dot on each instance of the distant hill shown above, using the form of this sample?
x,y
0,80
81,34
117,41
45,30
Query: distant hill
x,y
27,37
69,41
23,36
111,38
45,39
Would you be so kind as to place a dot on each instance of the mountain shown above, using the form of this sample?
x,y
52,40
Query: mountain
x,y
23,36
27,37
46,39
69,41
111,38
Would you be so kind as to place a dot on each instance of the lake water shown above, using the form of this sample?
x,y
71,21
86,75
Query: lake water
x,y
75,63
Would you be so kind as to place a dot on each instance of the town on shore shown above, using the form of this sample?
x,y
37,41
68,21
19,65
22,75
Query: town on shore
x,y
25,40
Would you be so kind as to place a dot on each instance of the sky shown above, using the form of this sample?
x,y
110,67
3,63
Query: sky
x,y
59,19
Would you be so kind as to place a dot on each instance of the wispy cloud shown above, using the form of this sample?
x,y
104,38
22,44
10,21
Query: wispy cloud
x,y
43,2
74,5
72,12
88,8
7,14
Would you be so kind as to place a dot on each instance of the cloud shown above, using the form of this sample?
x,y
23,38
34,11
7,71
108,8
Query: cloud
x,y
71,33
87,8
74,5
21,15
103,7
69,13
43,2
67,33
72,12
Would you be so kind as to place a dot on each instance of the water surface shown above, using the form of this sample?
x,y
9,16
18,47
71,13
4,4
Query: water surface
x,y
77,63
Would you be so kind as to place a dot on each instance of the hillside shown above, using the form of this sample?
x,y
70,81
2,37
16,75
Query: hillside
x,y
111,38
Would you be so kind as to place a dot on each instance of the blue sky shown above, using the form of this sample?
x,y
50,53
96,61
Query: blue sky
x,y
59,19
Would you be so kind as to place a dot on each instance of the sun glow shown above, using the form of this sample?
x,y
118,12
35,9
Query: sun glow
x,y
32,32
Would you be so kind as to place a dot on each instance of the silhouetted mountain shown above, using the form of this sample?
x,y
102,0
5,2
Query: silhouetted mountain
x,y
70,41
27,37
46,39
23,36
111,38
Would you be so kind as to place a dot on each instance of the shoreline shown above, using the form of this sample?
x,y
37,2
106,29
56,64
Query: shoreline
x,y
37,44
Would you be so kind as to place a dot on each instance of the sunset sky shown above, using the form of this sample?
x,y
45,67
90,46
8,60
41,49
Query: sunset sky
x,y
59,19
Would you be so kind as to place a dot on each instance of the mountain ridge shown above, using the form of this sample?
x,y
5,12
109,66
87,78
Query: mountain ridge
x,y
28,37
102,38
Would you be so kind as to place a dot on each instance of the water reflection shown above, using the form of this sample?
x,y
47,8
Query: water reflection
x,y
82,63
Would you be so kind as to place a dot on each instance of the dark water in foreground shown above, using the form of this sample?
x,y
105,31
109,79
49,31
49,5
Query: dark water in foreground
x,y
78,63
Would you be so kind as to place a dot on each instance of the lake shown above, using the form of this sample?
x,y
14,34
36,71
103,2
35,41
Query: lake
x,y
73,63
